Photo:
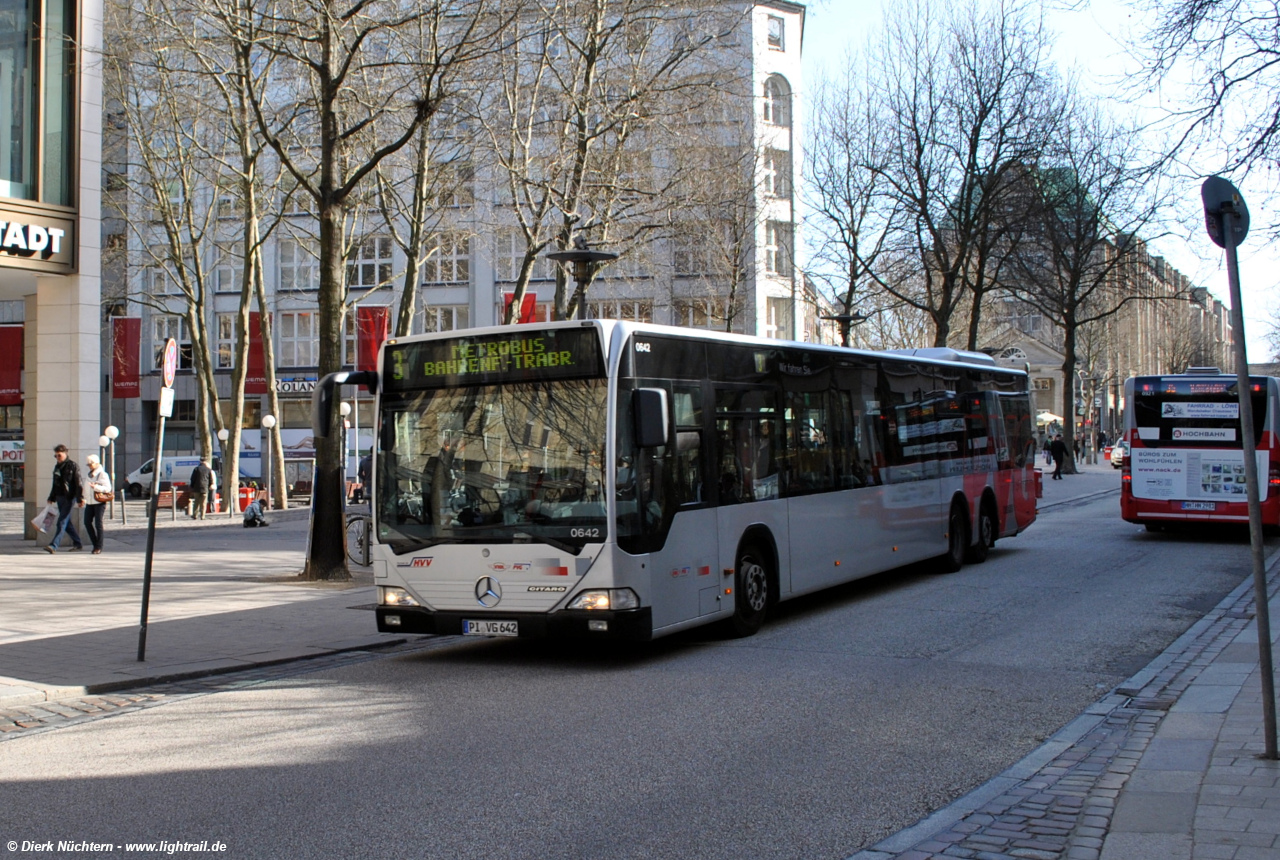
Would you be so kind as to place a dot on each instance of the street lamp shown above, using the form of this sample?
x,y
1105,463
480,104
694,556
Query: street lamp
x,y
223,435
846,322
112,432
268,421
344,408
585,264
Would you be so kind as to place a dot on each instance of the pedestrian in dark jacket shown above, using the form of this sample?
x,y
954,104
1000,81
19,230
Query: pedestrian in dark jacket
x,y
1058,449
66,494
201,481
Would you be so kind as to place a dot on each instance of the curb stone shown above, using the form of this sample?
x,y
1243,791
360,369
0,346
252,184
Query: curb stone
x,y
1058,801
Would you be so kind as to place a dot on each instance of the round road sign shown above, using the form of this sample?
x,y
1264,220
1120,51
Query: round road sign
x,y
170,362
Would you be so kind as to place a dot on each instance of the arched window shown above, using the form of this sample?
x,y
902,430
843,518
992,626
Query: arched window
x,y
777,101
1014,353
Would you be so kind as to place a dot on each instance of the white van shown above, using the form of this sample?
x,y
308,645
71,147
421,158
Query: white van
x,y
174,469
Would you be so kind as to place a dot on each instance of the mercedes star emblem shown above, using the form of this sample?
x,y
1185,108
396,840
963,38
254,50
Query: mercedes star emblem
x,y
488,591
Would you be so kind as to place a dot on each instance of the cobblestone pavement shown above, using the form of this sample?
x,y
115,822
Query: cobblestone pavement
x,y
1060,802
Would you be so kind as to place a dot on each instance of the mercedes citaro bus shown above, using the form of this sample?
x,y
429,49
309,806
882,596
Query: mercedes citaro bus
x,y
615,479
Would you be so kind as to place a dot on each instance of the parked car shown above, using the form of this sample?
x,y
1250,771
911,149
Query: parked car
x,y
1118,452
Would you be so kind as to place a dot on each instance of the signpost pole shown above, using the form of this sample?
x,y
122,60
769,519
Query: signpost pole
x,y
164,410
1227,219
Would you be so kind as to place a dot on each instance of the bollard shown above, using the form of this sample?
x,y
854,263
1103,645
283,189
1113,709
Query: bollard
x,y
124,520
173,505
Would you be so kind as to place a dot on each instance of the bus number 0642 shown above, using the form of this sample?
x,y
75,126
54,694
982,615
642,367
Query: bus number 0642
x,y
584,533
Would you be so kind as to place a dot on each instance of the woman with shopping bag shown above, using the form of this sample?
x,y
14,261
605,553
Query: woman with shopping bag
x,y
97,492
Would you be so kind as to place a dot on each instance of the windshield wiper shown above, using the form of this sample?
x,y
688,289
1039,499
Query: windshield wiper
x,y
525,537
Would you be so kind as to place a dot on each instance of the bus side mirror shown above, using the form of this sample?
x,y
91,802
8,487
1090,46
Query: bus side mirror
x,y
649,407
322,397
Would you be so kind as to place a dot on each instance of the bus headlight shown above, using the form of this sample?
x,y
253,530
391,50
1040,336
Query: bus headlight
x,y
392,596
606,598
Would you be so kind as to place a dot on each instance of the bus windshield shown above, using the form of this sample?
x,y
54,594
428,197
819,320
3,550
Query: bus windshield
x,y
1193,413
519,462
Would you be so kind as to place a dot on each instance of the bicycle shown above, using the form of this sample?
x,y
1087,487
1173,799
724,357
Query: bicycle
x,y
358,539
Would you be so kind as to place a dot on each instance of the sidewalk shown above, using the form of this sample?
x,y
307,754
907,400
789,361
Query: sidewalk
x,y
222,598
1165,767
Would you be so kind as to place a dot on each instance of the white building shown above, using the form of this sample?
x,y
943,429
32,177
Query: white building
x,y
467,280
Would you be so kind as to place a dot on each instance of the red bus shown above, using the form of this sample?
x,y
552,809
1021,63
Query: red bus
x,y
1186,455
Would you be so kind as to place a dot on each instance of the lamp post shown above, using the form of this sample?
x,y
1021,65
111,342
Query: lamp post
x,y
112,432
268,421
585,264
846,323
345,409
223,435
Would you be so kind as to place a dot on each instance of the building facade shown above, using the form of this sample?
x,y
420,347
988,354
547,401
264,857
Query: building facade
x,y
679,273
50,179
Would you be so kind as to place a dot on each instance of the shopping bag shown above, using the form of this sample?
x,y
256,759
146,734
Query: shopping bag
x,y
46,519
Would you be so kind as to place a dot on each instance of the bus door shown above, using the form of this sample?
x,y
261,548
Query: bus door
x,y
749,452
664,510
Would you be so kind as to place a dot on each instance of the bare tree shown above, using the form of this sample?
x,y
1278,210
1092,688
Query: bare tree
x,y
1227,50
846,176
354,84
968,95
588,92
1083,259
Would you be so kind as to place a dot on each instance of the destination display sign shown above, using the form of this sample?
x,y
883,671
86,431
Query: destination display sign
x,y
1199,409
1154,386
523,355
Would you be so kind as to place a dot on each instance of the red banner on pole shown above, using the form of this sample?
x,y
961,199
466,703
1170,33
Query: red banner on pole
x,y
371,330
255,380
126,357
11,365
528,307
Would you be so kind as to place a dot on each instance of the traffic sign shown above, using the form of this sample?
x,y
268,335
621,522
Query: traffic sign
x,y
170,362
1221,199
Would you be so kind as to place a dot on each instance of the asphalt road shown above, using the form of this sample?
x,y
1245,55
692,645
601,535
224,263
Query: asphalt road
x,y
854,713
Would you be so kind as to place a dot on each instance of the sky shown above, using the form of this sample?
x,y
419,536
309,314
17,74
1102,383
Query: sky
x,y
1085,42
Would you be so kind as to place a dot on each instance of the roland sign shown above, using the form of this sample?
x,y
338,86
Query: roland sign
x,y
295,386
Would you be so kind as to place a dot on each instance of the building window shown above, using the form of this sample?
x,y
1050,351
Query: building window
x,y
158,278
227,204
777,173
226,272
777,33
165,327
448,261
621,309
777,248
295,200
777,318
707,313
777,102
691,254
11,417
37,62
299,262
299,344
455,185
1042,383
446,317
509,254
370,264
224,341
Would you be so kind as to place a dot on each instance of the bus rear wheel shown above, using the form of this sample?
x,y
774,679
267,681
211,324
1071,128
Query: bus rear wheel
x,y
750,591
977,551
957,541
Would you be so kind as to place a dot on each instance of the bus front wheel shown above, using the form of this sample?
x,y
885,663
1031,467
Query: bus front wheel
x,y
750,591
